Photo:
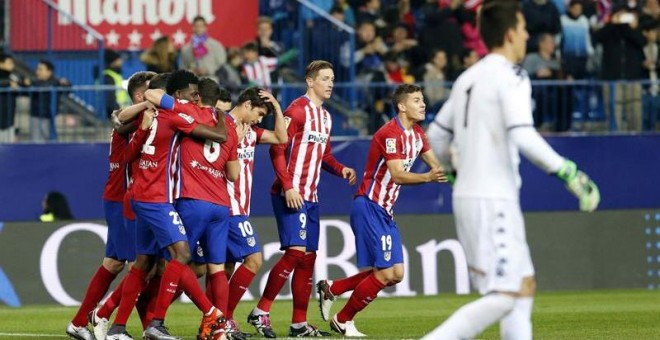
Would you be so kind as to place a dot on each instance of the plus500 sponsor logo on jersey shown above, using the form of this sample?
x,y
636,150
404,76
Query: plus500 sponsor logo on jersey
x,y
316,137
246,153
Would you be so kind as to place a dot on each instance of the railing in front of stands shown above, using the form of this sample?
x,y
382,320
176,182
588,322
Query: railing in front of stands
x,y
70,114
41,29
323,37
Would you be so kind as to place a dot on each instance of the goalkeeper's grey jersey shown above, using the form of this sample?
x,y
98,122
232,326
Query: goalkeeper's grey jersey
x,y
487,101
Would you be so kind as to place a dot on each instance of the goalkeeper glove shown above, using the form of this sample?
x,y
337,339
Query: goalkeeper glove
x,y
580,185
451,177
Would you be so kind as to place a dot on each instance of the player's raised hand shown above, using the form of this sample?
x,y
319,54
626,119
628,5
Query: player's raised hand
x,y
437,175
241,130
349,174
293,199
147,119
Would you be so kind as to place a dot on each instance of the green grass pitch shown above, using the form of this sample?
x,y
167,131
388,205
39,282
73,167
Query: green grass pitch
x,y
601,314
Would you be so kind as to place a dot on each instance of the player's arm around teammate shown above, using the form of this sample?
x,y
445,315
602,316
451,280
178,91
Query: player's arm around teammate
x,y
161,99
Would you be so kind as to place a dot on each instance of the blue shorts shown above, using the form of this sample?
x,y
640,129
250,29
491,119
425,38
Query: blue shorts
x,y
243,240
121,237
158,225
377,239
207,225
297,227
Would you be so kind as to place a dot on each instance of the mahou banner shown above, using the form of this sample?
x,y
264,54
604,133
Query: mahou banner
x,y
128,24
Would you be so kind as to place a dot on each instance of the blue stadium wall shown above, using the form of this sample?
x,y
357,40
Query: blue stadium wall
x,y
625,168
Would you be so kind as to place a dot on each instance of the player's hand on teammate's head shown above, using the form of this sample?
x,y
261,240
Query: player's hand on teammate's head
x,y
147,119
293,199
437,175
350,175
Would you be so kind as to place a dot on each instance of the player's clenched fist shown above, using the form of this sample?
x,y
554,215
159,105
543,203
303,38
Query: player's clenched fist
x,y
436,175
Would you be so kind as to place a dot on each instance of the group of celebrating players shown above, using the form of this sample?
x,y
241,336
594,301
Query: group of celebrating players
x,y
177,203
177,200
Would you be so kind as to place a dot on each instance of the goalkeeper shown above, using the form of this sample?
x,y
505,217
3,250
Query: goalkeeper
x,y
479,134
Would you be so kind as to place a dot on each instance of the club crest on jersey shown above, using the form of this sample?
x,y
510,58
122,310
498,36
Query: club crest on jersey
x,y
251,241
287,121
418,144
187,118
387,255
390,145
182,229
303,234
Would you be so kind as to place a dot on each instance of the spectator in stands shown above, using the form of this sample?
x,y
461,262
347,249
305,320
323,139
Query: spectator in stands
x,y
650,13
370,12
55,208
623,57
347,11
42,106
468,58
229,74
267,47
442,30
651,100
471,38
434,80
408,48
370,49
112,76
161,56
576,45
257,68
203,55
8,80
551,100
395,73
542,17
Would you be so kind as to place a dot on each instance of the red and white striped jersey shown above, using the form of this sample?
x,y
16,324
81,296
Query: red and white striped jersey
x,y
240,190
392,141
298,163
259,71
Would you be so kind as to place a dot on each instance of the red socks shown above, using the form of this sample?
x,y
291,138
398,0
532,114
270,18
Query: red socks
x,y
133,285
302,287
364,293
147,301
177,274
97,287
347,284
278,276
220,288
238,284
